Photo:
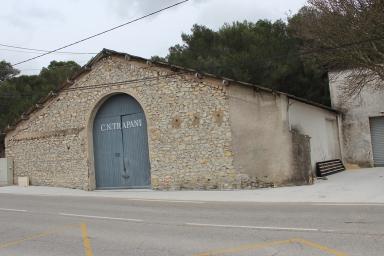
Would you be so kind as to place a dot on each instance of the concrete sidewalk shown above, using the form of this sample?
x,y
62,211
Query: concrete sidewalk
x,y
352,186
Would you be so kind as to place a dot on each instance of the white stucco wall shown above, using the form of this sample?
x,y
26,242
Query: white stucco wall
x,y
260,134
320,125
357,147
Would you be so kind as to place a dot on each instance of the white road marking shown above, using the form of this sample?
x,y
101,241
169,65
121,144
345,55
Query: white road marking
x,y
165,200
99,217
126,198
12,210
348,204
260,227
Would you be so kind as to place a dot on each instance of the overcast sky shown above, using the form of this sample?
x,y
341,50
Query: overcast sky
x,y
47,24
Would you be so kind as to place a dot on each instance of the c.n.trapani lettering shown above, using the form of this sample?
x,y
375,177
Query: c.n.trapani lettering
x,y
117,126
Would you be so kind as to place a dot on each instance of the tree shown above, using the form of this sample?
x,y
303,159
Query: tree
x,y
58,71
18,94
344,34
7,71
262,53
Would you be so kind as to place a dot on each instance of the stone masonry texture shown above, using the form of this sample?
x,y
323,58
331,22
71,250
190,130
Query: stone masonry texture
x,y
188,129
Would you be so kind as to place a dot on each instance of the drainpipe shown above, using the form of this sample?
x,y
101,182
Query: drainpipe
x,y
288,113
341,137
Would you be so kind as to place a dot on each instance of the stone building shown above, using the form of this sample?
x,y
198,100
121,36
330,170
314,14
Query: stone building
x,y
126,122
362,121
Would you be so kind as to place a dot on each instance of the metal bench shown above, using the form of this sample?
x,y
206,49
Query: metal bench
x,y
329,167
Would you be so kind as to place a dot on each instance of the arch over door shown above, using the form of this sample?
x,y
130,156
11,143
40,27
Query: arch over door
x,y
121,144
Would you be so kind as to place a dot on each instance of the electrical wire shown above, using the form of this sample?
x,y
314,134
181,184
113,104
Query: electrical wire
x,y
56,67
32,50
107,84
103,32
277,56
124,82
272,57
324,49
156,77
266,59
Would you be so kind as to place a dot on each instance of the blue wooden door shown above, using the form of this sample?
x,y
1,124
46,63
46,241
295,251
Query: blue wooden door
x,y
136,161
121,144
108,148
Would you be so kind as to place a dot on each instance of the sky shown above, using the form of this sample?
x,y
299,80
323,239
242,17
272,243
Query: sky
x,y
47,25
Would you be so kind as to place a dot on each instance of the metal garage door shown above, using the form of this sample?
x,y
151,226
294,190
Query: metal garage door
x,y
121,144
377,135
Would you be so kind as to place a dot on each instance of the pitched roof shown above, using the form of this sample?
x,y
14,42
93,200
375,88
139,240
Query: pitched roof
x,y
107,52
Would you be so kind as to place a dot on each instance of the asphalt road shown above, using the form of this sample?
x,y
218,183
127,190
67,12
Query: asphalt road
x,y
54,225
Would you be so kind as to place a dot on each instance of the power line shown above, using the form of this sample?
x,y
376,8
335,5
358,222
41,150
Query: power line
x,y
33,50
269,58
56,67
285,55
272,57
29,69
276,56
14,96
103,85
368,40
103,32
39,69
123,82
325,49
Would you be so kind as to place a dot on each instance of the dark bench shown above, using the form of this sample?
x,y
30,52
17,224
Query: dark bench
x,y
329,167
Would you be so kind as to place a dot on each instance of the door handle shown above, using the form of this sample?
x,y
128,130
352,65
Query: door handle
x,y
126,163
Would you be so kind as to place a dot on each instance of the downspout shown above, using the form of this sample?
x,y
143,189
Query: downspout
x,y
288,113
340,134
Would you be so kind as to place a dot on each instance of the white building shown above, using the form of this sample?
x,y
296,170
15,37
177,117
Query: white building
x,y
362,122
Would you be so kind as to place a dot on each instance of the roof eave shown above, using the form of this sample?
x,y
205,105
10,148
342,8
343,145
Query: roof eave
x,y
107,52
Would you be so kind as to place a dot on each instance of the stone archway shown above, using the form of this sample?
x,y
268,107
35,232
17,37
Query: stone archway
x,y
120,144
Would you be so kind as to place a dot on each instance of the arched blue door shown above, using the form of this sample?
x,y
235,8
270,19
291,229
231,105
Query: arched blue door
x,y
121,144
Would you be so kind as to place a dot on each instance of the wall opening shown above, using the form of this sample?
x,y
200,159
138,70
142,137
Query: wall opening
x,y
120,144
377,138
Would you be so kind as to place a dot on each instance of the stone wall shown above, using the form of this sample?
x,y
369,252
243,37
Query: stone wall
x,y
202,133
190,140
